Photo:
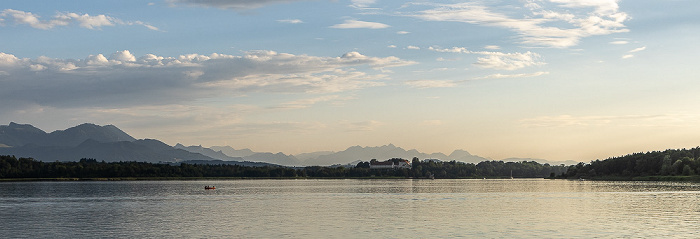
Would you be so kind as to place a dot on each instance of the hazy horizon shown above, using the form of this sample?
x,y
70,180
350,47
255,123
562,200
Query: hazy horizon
x,y
548,79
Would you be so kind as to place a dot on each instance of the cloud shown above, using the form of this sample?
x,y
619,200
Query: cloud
x,y
368,125
308,102
638,49
608,120
124,79
292,21
559,23
628,56
450,50
349,24
413,48
492,47
64,19
498,60
432,83
402,32
619,42
232,4
524,75
508,61
362,3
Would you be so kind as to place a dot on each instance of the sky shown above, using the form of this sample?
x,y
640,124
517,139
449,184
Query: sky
x,y
549,79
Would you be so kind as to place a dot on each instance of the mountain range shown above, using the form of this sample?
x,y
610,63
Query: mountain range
x,y
110,144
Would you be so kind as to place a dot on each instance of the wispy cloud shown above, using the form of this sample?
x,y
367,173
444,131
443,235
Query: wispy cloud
x,y
368,125
362,3
638,49
498,60
18,17
508,61
619,42
627,56
232,4
432,83
611,120
291,21
523,75
542,24
350,24
308,102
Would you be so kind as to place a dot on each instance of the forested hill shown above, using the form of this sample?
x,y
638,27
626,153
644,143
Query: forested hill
x,y
671,162
12,167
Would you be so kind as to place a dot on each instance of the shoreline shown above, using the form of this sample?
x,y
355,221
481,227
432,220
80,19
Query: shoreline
x,y
694,178
210,178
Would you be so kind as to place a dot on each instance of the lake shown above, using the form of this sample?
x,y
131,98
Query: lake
x,y
372,208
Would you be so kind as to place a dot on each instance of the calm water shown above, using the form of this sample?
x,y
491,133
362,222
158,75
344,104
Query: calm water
x,y
527,208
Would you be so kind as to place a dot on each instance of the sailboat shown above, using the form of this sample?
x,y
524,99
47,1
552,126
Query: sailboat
x,y
511,174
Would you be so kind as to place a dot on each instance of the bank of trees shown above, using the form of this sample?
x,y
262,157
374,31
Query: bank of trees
x,y
671,162
12,167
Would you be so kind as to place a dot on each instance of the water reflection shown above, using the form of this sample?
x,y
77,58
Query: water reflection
x,y
520,208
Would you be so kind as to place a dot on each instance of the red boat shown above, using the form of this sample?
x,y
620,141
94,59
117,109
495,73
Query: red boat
x,y
207,187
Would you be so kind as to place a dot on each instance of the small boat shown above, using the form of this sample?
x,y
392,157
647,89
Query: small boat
x,y
209,187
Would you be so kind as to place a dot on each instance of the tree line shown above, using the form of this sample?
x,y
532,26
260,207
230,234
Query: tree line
x,y
12,167
671,162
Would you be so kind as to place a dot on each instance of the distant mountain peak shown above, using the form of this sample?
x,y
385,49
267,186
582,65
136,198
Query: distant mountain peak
x,y
16,134
76,135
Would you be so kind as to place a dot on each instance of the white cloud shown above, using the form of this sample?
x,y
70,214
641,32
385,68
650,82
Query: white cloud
x,y
308,102
432,83
140,23
451,50
638,49
498,60
628,56
349,24
232,4
619,42
446,59
122,56
391,46
402,32
609,120
524,75
362,3
492,47
292,21
600,6
413,48
561,24
64,19
124,79
508,61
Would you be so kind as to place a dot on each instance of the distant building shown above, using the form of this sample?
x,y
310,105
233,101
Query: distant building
x,y
390,164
